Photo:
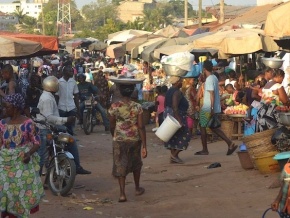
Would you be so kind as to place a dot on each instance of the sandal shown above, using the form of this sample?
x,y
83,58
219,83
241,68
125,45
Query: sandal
x,y
232,148
140,191
122,200
201,153
176,160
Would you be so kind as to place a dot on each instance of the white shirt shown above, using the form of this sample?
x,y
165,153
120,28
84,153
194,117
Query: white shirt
x,y
48,108
66,92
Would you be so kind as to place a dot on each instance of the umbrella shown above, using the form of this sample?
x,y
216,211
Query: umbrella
x,y
177,42
277,22
168,50
124,35
237,41
138,49
49,43
14,47
116,50
171,31
277,25
146,53
97,46
138,40
83,42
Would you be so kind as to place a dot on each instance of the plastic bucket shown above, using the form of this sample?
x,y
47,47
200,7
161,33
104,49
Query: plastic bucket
x,y
266,164
168,128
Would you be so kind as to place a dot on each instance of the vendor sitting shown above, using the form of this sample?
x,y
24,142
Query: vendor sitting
x,y
229,97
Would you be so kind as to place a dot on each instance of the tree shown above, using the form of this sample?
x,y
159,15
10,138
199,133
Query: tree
x,y
97,13
177,8
18,13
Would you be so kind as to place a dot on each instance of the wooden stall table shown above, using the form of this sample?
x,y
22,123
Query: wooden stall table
x,y
238,120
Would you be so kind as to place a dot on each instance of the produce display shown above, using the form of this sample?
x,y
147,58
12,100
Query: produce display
x,y
238,109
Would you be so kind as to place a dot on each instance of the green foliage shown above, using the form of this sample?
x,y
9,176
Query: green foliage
x,y
176,8
19,14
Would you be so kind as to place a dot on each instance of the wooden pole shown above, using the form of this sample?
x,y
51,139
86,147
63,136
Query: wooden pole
x,y
222,13
199,13
185,13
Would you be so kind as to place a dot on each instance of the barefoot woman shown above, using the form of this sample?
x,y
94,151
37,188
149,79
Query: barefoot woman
x,y
129,139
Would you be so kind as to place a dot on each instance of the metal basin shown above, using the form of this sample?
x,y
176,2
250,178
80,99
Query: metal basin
x,y
273,62
171,70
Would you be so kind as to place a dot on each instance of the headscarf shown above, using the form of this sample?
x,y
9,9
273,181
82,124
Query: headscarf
x,y
16,100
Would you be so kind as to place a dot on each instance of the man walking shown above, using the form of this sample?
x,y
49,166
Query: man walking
x,y
211,105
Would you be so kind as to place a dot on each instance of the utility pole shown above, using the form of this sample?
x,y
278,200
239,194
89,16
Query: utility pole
x,y
185,13
222,13
43,23
63,18
199,13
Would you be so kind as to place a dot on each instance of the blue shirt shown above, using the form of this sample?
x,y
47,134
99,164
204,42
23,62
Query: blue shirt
x,y
211,84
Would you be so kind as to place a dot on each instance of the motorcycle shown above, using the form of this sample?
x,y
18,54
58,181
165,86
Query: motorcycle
x,y
89,115
60,166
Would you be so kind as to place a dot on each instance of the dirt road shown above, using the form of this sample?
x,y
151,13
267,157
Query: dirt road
x,y
182,191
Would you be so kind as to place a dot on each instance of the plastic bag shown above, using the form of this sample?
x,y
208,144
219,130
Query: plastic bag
x,y
214,122
183,60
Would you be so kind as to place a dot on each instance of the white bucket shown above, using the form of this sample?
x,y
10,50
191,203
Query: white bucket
x,y
168,128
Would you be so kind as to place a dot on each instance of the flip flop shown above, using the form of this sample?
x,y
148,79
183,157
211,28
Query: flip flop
x,y
201,153
122,200
176,160
140,192
231,150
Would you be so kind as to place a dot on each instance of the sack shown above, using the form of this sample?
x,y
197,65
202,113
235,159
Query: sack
x,y
214,122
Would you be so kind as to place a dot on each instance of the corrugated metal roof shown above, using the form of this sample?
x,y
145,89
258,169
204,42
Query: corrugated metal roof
x,y
230,12
255,16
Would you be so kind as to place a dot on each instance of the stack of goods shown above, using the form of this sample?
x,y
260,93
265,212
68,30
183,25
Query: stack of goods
x,y
238,109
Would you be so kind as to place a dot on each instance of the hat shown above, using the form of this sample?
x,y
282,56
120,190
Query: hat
x,y
173,79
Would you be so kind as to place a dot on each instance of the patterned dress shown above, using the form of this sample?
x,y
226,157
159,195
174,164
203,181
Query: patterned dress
x,y
181,138
126,139
20,184
267,115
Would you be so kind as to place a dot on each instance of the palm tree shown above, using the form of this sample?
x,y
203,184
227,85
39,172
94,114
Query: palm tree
x,y
19,14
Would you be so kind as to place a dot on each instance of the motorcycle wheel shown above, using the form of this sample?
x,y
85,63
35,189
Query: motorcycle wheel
x,y
61,184
87,122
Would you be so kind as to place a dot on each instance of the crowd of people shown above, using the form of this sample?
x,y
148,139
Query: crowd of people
x,y
60,91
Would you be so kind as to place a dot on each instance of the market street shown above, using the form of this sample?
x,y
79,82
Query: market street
x,y
190,190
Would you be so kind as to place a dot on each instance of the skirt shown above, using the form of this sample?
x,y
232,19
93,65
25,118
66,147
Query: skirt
x,y
126,158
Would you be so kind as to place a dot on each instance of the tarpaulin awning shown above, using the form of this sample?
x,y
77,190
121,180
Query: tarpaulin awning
x,y
172,31
278,22
116,50
13,47
49,43
238,41
123,36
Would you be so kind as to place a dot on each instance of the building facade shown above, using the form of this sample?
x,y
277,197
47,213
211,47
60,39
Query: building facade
x,y
130,10
30,8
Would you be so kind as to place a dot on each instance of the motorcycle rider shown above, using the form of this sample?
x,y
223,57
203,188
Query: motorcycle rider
x,y
86,89
49,113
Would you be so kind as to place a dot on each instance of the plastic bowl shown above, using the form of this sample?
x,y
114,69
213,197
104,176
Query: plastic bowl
x,y
273,62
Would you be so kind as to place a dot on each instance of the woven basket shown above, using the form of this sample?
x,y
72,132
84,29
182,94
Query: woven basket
x,y
260,142
227,127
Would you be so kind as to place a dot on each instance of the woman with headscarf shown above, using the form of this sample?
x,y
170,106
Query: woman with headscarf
x,y
176,105
129,139
20,185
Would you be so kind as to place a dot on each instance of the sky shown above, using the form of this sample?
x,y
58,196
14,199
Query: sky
x,y
205,3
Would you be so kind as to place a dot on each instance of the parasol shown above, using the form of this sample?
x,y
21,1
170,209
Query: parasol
x,y
14,47
97,46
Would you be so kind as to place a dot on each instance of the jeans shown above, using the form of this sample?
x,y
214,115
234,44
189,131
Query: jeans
x,y
70,127
140,92
42,151
99,108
